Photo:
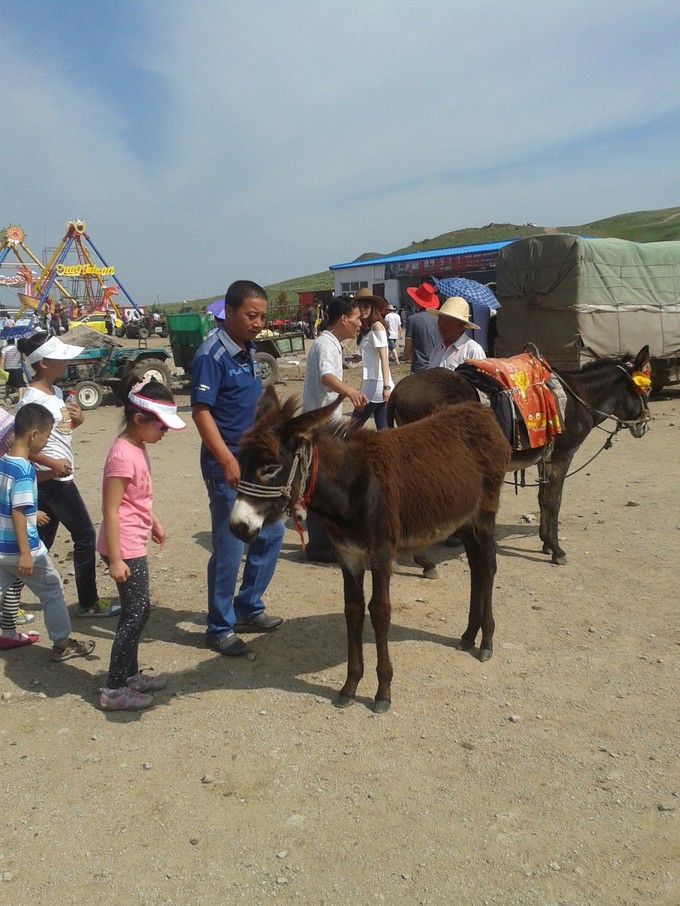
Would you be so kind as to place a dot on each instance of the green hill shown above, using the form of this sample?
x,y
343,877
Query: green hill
x,y
639,226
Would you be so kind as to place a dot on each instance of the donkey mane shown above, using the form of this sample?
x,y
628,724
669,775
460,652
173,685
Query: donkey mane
x,y
596,365
272,424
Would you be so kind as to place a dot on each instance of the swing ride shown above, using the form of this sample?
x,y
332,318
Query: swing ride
x,y
79,279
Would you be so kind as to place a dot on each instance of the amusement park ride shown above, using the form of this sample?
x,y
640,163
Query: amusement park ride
x,y
87,289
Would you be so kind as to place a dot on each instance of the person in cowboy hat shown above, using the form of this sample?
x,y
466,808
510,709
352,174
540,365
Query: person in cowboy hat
x,y
422,334
377,380
453,319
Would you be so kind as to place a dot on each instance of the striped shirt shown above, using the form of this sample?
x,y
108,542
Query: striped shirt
x,y
19,491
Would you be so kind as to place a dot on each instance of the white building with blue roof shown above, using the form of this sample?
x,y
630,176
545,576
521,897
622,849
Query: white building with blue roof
x,y
390,275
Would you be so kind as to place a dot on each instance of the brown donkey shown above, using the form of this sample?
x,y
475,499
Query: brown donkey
x,y
379,492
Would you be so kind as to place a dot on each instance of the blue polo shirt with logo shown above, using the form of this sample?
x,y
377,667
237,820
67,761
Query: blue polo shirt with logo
x,y
225,378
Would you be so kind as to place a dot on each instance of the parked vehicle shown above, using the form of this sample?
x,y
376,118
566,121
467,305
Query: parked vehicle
x,y
97,321
145,326
188,329
578,299
104,367
273,347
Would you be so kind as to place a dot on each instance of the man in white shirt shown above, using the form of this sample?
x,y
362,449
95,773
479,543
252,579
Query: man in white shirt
x,y
453,319
323,385
323,369
393,324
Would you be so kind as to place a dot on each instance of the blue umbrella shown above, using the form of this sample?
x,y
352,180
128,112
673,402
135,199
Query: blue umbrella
x,y
216,308
469,290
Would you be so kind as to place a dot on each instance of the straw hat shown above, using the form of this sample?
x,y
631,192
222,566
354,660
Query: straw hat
x,y
425,295
364,296
458,308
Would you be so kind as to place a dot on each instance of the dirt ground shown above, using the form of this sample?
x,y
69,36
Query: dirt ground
x,y
549,775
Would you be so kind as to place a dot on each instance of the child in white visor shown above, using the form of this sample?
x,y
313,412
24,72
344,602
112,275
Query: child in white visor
x,y
129,522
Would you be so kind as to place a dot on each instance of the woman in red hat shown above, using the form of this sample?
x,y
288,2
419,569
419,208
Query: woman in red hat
x,y
377,380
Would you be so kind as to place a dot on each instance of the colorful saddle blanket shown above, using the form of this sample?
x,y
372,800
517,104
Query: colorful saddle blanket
x,y
523,403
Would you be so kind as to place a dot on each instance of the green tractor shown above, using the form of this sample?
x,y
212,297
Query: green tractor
x,y
102,368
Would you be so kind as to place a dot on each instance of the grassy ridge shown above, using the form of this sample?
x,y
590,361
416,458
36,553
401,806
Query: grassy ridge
x,y
639,226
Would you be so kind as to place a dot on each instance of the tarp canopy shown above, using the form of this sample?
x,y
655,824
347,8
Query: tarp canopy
x,y
575,298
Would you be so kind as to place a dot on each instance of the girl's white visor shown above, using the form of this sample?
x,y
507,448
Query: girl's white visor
x,y
164,412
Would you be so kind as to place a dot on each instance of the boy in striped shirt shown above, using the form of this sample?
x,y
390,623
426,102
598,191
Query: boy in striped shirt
x,y
22,554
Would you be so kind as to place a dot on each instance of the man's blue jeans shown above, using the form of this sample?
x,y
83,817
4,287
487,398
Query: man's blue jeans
x,y
224,609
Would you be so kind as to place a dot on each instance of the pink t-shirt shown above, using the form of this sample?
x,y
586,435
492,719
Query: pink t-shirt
x,y
126,460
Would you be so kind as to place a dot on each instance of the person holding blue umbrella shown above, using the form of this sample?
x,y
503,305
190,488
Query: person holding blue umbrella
x,y
453,319
482,301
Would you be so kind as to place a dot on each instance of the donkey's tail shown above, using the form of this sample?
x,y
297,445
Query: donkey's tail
x,y
391,406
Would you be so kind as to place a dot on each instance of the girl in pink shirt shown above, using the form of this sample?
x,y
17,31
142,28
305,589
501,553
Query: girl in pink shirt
x,y
129,522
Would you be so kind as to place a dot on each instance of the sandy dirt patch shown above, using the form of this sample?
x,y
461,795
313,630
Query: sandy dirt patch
x,y
550,775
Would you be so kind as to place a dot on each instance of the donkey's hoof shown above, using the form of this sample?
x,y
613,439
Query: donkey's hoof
x,y
485,654
430,573
464,645
344,701
382,705
559,559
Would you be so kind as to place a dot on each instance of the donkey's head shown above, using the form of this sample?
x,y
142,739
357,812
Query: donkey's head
x,y
274,459
633,408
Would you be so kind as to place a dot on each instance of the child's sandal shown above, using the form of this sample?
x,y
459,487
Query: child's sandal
x,y
73,648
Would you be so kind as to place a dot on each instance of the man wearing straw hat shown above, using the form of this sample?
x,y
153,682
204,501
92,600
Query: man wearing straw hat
x,y
453,319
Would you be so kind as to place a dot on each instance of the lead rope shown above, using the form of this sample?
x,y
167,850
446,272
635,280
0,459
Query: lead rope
x,y
295,512
607,445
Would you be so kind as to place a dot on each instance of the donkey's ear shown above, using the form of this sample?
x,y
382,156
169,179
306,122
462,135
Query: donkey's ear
x,y
304,426
268,403
641,359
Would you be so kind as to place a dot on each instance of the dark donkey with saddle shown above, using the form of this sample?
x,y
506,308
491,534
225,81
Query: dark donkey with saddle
x,y
606,390
379,492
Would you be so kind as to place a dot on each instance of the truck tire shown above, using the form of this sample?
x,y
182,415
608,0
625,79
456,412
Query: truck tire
x,y
268,366
153,368
88,395
119,332
660,376
143,333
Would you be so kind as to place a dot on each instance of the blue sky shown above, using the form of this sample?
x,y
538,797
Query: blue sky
x,y
208,141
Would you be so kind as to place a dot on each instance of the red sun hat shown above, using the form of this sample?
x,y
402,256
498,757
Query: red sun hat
x,y
425,295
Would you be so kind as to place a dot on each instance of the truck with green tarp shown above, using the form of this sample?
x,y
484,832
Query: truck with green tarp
x,y
578,299
188,329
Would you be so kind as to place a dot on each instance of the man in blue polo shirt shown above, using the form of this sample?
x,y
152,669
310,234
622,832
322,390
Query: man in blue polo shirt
x,y
225,388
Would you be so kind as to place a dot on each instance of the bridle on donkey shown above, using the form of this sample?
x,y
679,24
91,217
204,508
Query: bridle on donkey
x,y
641,383
307,460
